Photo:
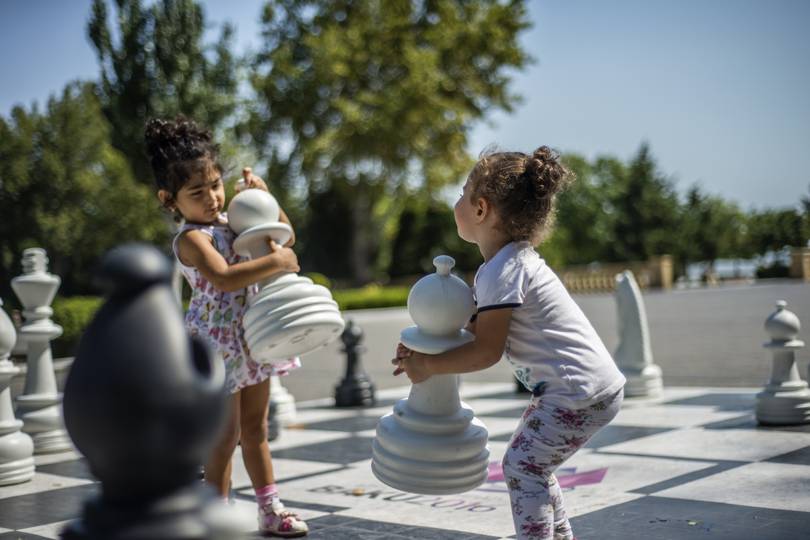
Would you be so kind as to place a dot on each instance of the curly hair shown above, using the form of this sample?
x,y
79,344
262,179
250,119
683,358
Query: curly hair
x,y
179,149
522,188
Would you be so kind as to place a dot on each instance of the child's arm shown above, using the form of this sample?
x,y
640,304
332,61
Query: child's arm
x,y
491,328
195,249
253,181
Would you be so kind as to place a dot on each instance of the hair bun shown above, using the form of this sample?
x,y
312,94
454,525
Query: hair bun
x,y
173,140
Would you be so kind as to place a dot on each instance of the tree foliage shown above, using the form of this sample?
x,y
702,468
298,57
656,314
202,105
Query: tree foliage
x,y
63,187
711,228
375,94
159,66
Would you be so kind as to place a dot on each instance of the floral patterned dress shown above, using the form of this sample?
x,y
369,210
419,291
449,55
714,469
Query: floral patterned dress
x,y
216,315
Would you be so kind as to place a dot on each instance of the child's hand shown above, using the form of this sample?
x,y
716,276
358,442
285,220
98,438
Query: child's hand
x,y
287,260
253,181
412,363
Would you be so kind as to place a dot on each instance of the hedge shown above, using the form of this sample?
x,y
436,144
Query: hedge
x,y
74,313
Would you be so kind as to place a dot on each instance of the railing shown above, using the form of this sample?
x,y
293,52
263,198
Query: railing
x,y
601,277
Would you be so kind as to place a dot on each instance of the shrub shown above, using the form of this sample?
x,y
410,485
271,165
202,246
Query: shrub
x,y
371,296
774,270
73,314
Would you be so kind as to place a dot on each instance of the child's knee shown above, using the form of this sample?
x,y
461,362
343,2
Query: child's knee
x,y
229,439
254,434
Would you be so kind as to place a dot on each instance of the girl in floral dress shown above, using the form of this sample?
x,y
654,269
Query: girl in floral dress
x,y
525,315
189,180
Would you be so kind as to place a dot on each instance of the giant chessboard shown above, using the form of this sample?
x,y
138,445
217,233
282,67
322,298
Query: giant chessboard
x,y
691,464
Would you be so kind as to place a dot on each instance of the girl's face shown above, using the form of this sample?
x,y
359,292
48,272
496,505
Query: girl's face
x,y
465,213
202,198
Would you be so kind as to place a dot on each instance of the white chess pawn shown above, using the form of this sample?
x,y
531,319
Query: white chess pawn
x,y
785,400
432,443
16,447
290,315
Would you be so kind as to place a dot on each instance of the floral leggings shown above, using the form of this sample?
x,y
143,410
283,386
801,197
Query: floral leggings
x,y
547,436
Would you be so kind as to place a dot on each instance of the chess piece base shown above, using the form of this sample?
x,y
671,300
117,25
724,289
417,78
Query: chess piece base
x,y
644,383
786,407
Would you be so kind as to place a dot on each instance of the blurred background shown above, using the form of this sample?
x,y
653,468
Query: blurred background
x,y
685,122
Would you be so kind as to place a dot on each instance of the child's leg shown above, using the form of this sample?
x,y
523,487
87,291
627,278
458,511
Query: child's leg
x,y
218,466
253,420
273,518
546,436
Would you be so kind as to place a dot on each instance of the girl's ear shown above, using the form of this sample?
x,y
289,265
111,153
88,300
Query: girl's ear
x,y
482,209
164,196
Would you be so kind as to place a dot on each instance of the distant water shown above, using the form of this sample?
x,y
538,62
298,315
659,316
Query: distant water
x,y
738,268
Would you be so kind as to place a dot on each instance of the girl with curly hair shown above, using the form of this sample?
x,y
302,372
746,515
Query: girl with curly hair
x,y
525,315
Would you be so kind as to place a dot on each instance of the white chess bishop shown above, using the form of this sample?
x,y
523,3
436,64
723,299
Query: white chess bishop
x,y
290,315
432,443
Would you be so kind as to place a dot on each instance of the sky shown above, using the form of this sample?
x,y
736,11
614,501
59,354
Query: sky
x,y
719,89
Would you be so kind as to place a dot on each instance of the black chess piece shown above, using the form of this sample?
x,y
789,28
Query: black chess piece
x,y
144,404
356,389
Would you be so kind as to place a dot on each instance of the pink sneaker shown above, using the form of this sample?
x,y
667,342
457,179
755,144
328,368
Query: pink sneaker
x,y
274,520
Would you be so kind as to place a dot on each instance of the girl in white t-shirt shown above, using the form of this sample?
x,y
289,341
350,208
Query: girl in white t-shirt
x,y
525,315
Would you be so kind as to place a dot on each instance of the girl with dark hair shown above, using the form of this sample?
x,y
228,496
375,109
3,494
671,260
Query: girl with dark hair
x,y
190,185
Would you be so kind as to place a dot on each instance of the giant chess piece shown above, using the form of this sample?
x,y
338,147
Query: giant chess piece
x,y
355,389
634,355
432,443
144,404
39,404
290,315
16,447
785,400
283,402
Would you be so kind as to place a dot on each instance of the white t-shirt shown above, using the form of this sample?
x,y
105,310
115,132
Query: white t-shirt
x,y
553,348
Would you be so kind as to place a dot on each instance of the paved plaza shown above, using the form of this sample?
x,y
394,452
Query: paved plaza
x,y
690,464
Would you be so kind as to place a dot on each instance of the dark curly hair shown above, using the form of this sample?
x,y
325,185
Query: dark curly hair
x,y
178,149
522,188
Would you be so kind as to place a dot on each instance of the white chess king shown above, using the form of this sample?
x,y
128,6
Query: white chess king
x,y
290,315
432,443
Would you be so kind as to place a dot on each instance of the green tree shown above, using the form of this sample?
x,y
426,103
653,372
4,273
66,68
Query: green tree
x,y
159,66
711,228
645,211
774,229
64,188
584,228
374,94
427,228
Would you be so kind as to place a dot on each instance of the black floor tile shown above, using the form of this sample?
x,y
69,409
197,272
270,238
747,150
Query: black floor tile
x,y
677,519
616,434
25,511
76,468
797,457
21,536
515,412
688,477
749,421
353,424
343,451
742,401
